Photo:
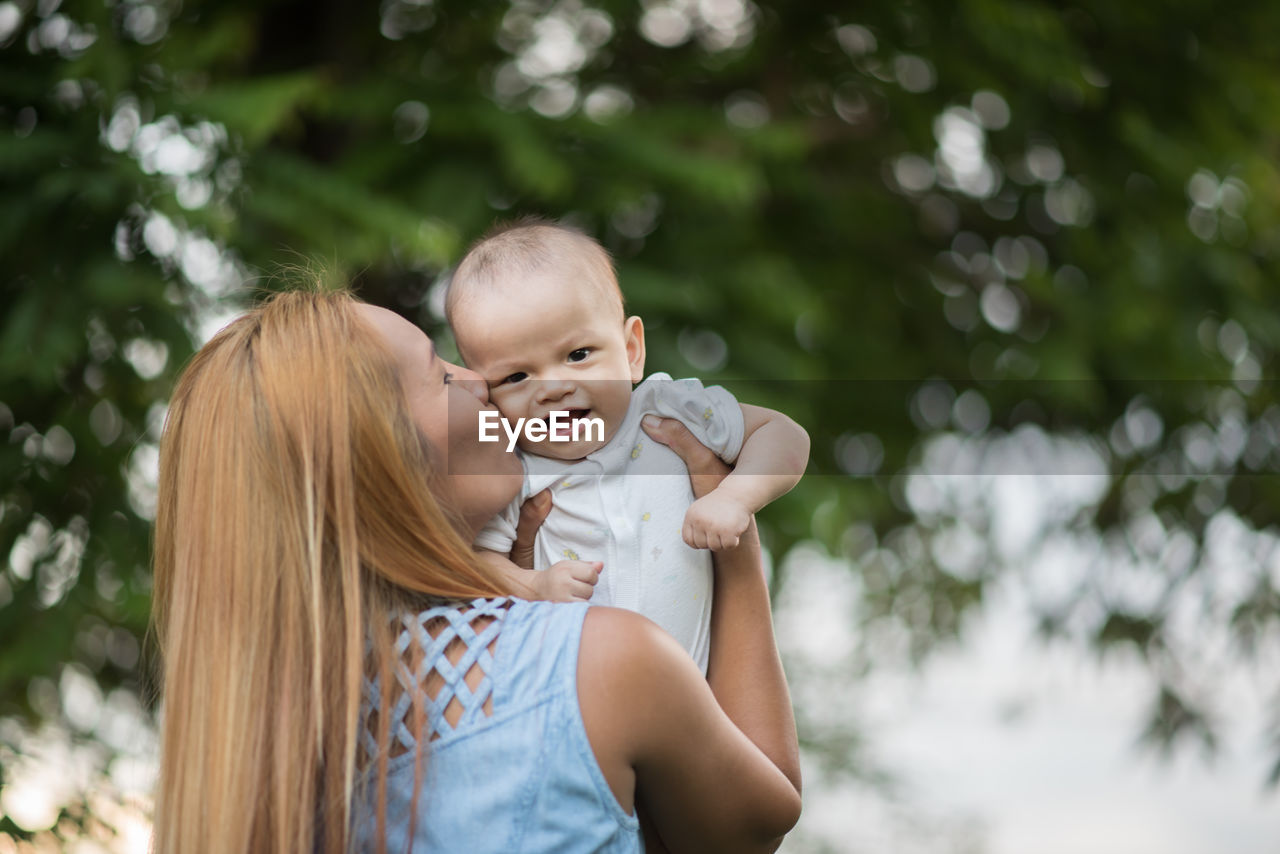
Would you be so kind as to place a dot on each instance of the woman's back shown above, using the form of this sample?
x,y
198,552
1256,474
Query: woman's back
x,y
508,767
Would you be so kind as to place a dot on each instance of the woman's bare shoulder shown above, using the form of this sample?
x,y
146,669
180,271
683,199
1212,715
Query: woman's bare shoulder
x,y
622,648
655,726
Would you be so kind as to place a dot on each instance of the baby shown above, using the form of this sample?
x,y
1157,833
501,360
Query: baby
x,y
536,310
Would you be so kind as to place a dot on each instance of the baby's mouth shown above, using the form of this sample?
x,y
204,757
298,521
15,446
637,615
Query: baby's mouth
x,y
575,416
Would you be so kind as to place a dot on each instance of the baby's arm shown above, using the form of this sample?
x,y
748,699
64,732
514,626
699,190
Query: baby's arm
x,y
566,581
775,452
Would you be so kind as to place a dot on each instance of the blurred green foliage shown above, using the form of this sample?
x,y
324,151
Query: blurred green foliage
x,y
1069,209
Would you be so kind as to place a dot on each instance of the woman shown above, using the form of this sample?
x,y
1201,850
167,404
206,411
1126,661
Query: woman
x,y
318,611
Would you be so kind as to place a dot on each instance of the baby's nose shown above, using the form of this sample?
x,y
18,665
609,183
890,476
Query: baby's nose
x,y
554,388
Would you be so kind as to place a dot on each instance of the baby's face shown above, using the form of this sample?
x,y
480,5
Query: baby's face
x,y
547,343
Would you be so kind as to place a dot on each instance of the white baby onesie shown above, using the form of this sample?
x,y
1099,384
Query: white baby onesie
x,y
624,505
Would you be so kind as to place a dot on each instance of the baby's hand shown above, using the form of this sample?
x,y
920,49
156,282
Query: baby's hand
x,y
567,581
715,521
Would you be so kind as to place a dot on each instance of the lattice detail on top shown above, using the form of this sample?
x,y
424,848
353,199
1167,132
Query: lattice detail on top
x,y
445,655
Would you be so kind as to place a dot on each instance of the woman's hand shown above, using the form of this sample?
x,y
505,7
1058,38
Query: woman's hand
x,y
706,470
532,514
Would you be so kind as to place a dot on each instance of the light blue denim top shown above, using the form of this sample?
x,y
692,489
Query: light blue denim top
x,y
521,780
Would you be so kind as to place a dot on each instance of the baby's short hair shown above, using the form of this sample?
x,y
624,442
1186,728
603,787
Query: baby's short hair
x,y
528,245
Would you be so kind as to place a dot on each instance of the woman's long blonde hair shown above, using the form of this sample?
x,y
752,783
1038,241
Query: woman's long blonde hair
x,y
295,517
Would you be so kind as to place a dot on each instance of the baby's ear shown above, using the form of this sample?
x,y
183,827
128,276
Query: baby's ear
x,y
633,334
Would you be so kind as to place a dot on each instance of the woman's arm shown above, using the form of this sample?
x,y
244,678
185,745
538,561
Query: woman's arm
x,y
745,671
661,738
715,762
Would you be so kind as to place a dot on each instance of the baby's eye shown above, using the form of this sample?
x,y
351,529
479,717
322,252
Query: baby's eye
x,y
448,377
579,354
518,376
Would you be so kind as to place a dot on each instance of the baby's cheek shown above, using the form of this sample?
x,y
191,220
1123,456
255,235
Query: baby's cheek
x,y
508,403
